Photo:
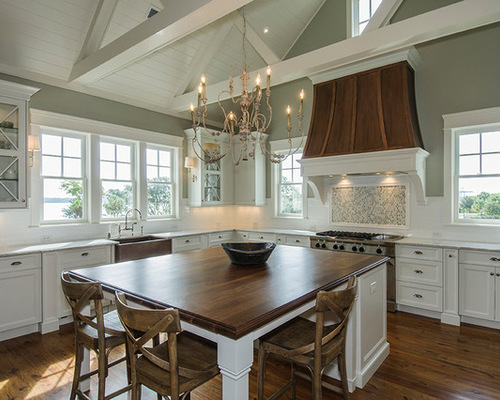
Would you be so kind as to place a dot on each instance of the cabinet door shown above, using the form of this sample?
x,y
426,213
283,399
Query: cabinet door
x,y
477,291
497,292
12,153
21,298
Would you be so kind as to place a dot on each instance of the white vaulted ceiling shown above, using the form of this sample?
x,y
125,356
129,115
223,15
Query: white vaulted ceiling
x,y
109,48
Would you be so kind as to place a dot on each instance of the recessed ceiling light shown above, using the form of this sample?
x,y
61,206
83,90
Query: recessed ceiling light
x,y
266,29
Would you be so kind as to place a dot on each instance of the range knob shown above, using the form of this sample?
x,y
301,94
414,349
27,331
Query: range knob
x,y
354,248
335,247
341,247
323,246
379,251
317,245
361,249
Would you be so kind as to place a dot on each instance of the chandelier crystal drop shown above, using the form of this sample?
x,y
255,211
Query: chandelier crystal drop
x,y
246,129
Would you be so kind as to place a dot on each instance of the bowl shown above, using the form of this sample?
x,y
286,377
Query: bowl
x,y
248,253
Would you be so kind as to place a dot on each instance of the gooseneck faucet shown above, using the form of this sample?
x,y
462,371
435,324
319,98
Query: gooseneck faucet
x,y
126,228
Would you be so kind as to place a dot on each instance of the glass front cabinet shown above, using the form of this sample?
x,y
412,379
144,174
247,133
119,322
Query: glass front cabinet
x,y
13,143
209,184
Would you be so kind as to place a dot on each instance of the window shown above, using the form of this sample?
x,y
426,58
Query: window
x,y
472,167
290,187
362,11
159,171
478,175
116,169
92,172
63,178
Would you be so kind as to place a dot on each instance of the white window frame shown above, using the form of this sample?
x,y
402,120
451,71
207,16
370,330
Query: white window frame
x,y
454,125
353,16
85,176
282,146
45,120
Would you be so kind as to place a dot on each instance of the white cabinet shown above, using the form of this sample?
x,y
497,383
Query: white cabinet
x,y
296,240
419,277
250,179
479,294
187,243
210,184
53,263
13,143
20,292
261,237
216,238
241,236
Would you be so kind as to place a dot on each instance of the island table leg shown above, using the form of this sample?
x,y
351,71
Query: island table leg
x,y
235,358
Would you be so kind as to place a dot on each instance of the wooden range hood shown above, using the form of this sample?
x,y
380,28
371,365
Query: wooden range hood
x,y
366,123
373,110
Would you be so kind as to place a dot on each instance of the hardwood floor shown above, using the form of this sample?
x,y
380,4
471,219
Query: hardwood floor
x,y
428,360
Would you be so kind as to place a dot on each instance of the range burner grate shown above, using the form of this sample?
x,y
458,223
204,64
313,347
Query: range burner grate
x,y
356,235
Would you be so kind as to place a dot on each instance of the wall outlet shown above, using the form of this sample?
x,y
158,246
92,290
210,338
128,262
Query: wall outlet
x,y
373,287
45,238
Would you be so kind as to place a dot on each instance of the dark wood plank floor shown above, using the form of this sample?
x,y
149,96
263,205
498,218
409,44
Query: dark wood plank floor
x,y
428,360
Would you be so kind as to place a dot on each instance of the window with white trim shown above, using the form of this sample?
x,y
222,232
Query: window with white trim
x,y
63,177
362,11
291,188
472,167
117,178
477,174
160,187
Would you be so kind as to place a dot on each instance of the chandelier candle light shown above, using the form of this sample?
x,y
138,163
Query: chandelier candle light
x,y
250,126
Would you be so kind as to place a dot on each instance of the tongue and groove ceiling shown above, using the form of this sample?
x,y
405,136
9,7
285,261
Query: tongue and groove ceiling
x,y
109,48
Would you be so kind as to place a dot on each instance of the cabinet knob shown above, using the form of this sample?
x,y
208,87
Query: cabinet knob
x,y
498,273
492,273
188,241
297,241
419,271
450,255
418,296
261,237
417,252
494,259
220,237
15,263
86,254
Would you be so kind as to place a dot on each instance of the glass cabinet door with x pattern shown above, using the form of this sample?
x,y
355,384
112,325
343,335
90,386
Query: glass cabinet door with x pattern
x,y
212,176
12,153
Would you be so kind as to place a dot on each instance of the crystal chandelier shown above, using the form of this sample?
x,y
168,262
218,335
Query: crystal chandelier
x,y
247,128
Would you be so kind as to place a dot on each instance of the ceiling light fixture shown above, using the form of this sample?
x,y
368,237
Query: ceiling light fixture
x,y
266,29
249,127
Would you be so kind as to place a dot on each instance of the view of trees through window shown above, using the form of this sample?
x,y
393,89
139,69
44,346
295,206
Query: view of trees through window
x,y
479,176
290,188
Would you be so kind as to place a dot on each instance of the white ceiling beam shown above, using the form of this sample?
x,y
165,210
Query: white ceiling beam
x,y
267,54
383,15
442,22
203,59
178,19
98,27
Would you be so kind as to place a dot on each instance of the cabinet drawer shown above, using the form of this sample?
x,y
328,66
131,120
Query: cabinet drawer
x,y
419,252
85,257
219,237
302,241
421,296
421,271
262,237
186,243
491,258
20,263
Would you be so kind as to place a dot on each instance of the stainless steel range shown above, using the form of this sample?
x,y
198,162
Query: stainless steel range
x,y
368,243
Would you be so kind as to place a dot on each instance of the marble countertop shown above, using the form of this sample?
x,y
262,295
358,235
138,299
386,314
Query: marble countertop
x,y
453,244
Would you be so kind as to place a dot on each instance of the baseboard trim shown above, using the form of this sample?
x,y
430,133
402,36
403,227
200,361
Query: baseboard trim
x,y
363,376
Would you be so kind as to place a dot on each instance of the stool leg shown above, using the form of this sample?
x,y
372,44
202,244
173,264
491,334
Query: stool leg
x,y
78,368
294,381
343,375
102,366
317,390
261,365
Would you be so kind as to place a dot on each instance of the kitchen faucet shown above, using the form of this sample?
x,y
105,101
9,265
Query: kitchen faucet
x,y
126,228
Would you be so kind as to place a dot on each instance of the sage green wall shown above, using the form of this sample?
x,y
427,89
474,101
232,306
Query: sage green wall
x,y
69,102
328,26
458,73
411,8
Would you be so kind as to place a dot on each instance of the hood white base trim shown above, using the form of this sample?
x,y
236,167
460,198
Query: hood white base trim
x,y
409,161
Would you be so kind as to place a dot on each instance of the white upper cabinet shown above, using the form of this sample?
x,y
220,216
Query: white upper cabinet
x,y
13,143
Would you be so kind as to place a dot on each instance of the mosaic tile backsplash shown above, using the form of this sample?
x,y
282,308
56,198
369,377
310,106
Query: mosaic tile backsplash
x,y
369,205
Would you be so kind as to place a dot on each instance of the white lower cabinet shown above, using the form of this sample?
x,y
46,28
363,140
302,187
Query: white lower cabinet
x,y
419,277
295,240
187,243
20,293
216,238
479,277
54,262
261,237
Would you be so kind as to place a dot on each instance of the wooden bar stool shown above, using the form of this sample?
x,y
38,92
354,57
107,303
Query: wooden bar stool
x,y
100,333
173,368
311,344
